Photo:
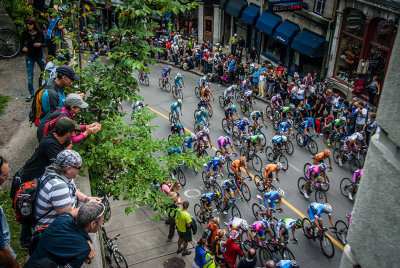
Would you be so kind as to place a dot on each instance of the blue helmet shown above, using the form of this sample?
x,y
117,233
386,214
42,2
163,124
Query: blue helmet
x,y
233,107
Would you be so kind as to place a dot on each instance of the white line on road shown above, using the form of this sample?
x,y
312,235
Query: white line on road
x,y
295,168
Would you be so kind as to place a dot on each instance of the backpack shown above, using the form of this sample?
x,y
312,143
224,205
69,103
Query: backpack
x,y
49,123
36,112
24,202
208,233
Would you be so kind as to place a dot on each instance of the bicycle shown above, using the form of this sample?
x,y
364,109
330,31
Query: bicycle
x,y
246,106
228,159
243,187
211,182
324,185
232,123
325,242
111,249
252,156
259,212
341,231
231,204
354,163
258,131
336,141
320,195
144,79
202,153
224,102
180,176
198,125
177,92
275,252
105,202
10,44
345,185
164,84
269,153
174,118
208,108
205,217
259,181
307,142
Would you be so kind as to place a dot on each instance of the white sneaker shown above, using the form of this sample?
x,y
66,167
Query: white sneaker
x,y
305,193
350,196
227,131
225,212
340,162
301,140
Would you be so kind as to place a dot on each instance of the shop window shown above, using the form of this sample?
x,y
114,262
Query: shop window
x,y
310,64
347,58
208,11
354,23
208,26
382,37
273,47
319,7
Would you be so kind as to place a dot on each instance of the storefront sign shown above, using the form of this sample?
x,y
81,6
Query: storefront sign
x,y
284,6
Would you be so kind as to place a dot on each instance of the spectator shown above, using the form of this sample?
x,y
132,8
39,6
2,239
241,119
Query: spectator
x,y
171,215
270,264
219,246
232,249
256,78
361,116
51,67
7,255
66,241
234,43
32,40
253,54
73,105
183,223
261,84
373,90
200,255
241,44
349,121
250,261
370,127
214,227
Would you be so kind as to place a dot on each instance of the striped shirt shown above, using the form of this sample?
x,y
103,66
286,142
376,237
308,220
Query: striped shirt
x,y
57,193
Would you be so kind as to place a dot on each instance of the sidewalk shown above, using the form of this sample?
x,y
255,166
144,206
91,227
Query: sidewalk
x,y
143,241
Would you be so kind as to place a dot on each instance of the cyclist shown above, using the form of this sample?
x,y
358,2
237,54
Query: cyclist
x,y
177,128
287,264
282,229
351,143
241,126
165,72
276,102
178,81
203,136
223,142
339,126
187,144
141,75
319,158
202,103
287,110
270,198
202,116
303,127
252,142
258,229
230,186
314,174
206,202
216,163
228,93
245,85
278,141
174,108
315,213
239,225
285,128
137,105
267,173
206,93
236,165
255,116
230,114
203,80
328,125
356,180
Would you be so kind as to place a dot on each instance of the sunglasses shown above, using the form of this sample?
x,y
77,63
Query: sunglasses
x,y
78,168
29,23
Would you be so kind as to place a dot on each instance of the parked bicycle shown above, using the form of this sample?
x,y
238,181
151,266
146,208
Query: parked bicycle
x,y
113,256
10,44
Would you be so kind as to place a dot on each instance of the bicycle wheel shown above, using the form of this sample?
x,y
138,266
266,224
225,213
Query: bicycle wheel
x,y
245,246
107,210
256,162
197,213
243,107
10,45
181,177
263,140
308,228
225,127
320,196
236,211
354,164
259,183
119,260
216,187
245,192
174,92
242,151
210,110
268,112
327,246
160,83
345,186
299,139
203,154
287,254
167,86
221,102
257,211
205,180
336,155
301,183
146,80
312,147
341,231
269,153
197,92
305,168
264,255
325,186
284,162
179,94
275,123
289,147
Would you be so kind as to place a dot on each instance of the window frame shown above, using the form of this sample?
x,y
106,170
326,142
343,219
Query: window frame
x,y
321,11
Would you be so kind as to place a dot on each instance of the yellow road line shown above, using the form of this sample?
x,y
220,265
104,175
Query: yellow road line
x,y
295,210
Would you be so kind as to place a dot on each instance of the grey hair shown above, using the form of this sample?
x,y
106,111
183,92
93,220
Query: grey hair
x,y
59,170
89,212
270,264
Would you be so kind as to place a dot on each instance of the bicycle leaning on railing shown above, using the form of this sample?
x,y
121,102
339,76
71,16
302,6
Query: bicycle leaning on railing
x,y
113,257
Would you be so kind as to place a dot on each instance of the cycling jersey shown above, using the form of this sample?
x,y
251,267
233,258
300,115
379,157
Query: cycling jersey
x,y
241,125
306,124
248,93
255,115
319,157
174,150
229,111
178,81
244,85
237,224
201,117
188,142
165,72
205,91
339,123
284,264
315,211
224,141
202,103
228,92
286,224
229,185
201,136
351,138
202,80
277,139
275,102
175,107
313,170
207,198
253,140
214,163
176,128
259,227
284,126
270,197
136,106
357,173
286,109
236,165
271,168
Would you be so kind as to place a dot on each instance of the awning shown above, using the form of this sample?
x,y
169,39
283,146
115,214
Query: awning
x,y
222,3
285,32
250,14
309,44
267,23
234,7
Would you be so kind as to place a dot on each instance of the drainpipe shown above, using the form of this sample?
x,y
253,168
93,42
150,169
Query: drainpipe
x,y
329,35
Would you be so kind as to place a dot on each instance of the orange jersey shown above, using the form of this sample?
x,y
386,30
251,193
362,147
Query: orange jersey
x,y
319,157
271,168
205,91
236,165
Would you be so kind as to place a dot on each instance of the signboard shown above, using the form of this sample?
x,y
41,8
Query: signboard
x,y
284,6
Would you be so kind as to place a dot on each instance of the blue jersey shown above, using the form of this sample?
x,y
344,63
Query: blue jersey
x,y
176,105
284,126
270,198
188,142
277,139
307,123
208,197
242,125
214,163
315,210
284,264
165,72
201,114
178,80
175,150
229,184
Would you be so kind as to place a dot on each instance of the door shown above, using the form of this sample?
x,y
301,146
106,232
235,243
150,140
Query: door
x,y
208,23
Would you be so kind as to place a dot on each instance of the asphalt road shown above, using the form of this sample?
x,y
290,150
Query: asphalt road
x,y
307,252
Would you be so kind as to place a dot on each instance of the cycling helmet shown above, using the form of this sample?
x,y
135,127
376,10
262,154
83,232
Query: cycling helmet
x,y
294,264
281,192
222,159
245,120
343,118
359,137
208,75
299,223
242,160
244,225
278,96
279,165
327,208
327,152
322,166
193,136
233,107
179,75
169,67
260,136
140,103
233,234
206,130
217,193
284,138
292,106
179,101
202,109
234,86
310,119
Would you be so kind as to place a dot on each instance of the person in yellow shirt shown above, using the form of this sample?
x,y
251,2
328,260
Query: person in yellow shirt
x,y
183,221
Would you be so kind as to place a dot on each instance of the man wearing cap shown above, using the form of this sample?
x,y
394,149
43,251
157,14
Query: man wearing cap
x,y
53,97
73,104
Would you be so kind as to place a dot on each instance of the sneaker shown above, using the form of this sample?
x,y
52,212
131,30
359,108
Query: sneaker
x,y
328,143
340,162
179,250
225,212
350,196
25,247
30,98
187,252
305,193
169,240
227,131
301,140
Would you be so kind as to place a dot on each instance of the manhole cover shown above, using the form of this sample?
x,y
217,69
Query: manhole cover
x,y
174,263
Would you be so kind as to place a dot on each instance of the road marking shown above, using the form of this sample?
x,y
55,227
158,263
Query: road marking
x,y
196,193
295,210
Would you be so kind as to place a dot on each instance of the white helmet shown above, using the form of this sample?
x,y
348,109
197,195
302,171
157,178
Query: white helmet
x,y
179,101
179,75
140,103
202,109
284,138
222,159
244,225
327,208
359,136
206,130
281,192
193,136
279,165
278,96
245,120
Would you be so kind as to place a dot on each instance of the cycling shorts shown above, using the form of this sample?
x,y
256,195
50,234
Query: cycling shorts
x,y
222,144
260,233
270,202
201,119
228,113
178,83
203,139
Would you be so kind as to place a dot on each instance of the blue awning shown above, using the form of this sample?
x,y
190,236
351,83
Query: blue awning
x,y
235,7
250,14
267,23
309,44
285,31
222,3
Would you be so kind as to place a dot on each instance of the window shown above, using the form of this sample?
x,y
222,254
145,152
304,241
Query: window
x,y
319,7
208,26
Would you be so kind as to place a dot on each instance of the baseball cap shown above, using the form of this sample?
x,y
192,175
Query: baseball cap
x,y
66,125
329,117
68,72
74,99
68,158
